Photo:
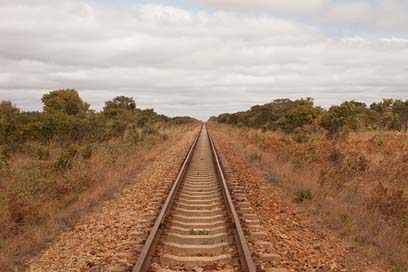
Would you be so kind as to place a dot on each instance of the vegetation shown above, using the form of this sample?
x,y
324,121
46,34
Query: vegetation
x,y
295,116
354,183
303,195
59,161
353,157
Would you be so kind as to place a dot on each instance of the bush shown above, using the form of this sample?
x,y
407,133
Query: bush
x,y
363,163
66,158
303,195
37,151
345,218
255,156
150,130
335,155
5,155
300,136
134,136
86,152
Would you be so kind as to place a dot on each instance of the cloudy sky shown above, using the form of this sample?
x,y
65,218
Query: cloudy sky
x,y
204,57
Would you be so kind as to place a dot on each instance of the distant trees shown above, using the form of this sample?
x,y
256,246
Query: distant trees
x,y
120,102
283,114
400,108
291,115
349,115
9,130
64,101
67,119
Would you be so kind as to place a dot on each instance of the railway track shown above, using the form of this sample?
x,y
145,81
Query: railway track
x,y
198,227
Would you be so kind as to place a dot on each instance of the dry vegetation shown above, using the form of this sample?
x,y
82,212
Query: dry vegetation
x,y
356,185
37,201
61,162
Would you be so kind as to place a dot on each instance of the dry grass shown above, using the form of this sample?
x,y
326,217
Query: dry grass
x,y
358,184
38,199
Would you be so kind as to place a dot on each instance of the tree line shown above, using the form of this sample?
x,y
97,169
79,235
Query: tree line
x,y
67,119
301,114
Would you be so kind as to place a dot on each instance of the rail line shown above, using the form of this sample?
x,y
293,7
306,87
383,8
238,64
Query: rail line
x,y
198,227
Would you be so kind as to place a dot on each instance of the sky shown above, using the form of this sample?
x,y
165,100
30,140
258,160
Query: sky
x,y
204,57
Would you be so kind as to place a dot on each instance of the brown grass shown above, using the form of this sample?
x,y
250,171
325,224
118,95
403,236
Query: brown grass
x,y
359,183
37,200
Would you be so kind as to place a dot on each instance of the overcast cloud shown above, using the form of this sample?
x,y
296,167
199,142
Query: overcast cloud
x,y
220,56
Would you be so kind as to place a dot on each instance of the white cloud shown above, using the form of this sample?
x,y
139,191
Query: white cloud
x,y
384,15
284,7
187,63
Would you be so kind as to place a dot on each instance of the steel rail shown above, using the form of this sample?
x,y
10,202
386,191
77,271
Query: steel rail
x,y
246,258
145,257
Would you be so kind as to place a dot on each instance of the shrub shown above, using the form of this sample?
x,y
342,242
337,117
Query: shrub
x,y
345,218
5,156
300,136
70,199
134,136
302,195
255,156
66,158
363,163
150,130
335,155
37,151
86,152
404,221
377,140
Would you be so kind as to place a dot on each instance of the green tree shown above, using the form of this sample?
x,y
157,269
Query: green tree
x,y
64,101
120,102
9,128
350,114
382,115
401,109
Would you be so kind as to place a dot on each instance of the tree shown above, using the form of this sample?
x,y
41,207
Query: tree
x,y
120,102
65,101
382,115
9,129
401,109
350,114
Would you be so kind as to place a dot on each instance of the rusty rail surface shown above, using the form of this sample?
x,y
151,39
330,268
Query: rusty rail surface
x,y
146,255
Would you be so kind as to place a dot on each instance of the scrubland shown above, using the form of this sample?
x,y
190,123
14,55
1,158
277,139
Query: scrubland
x,y
60,163
355,184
